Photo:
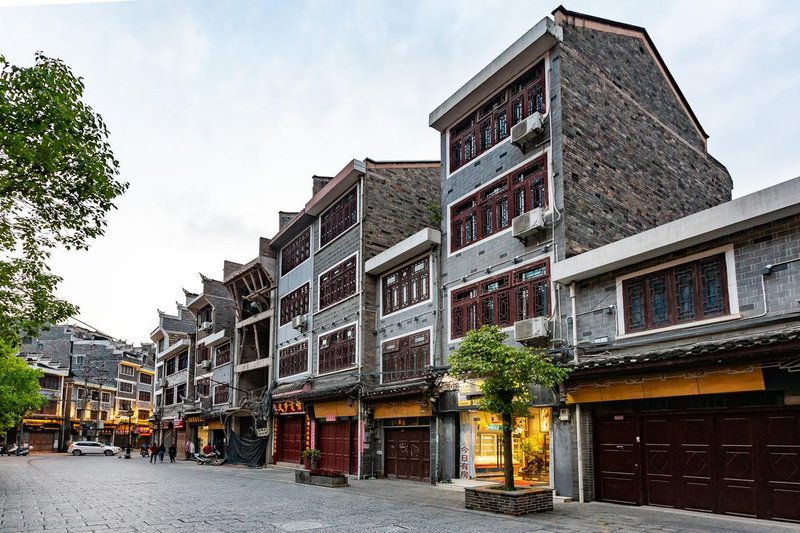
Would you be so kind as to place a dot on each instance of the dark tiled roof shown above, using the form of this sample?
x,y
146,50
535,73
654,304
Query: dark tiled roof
x,y
331,392
406,389
740,342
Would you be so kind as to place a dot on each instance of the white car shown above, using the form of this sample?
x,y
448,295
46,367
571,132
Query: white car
x,y
88,446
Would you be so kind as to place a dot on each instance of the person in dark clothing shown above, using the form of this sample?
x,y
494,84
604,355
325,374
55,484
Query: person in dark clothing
x,y
153,452
172,452
161,451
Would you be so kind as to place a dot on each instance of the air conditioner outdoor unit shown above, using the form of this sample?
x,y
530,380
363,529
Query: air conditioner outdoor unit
x,y
299,322
206,326
528,223
206,364
535,329
527,131
163,382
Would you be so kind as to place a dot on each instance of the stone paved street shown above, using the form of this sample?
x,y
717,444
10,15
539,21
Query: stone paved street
x,y
80,494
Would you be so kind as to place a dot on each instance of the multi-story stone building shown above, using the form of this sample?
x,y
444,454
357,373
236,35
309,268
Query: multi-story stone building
x,y
104,392
208,398
174,364
574,137
686,340
326,319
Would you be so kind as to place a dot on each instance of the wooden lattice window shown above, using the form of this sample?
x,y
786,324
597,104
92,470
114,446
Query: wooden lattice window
x,y
294,304
491,209
406,357
406,286
223,354
337,350
50,382
492,122
681,294
293,360
220,394
295,252
337,283
501,300
341,216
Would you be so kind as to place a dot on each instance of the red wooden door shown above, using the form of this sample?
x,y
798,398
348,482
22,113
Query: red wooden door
x,y
781,439
737,464
335,443
407,453
290,438
659,466
618,472
695,439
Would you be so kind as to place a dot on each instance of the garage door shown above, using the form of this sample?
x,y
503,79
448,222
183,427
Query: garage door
x,y
745,464
407,453
337,444
290,438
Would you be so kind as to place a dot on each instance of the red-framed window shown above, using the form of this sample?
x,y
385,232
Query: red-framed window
x,y
295,252
684,293
493,121
50,382
406,286
337,283
220,394
341,216
492,208
501,300
406,357
293,360
223,354
294,304
337,350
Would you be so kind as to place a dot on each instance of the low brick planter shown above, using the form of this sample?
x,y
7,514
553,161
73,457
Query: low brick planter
x,y
514,503
305,476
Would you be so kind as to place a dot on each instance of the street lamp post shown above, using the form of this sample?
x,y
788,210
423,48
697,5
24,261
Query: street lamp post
x,y
129,413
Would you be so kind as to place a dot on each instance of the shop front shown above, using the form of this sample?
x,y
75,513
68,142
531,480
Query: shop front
x,y
405,426
481,449
335,433
291,431
42,433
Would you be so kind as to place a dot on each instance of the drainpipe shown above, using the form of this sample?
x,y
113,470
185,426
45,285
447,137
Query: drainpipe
x,y
578,428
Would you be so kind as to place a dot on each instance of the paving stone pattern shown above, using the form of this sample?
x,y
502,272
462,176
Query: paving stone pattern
x,y
81,494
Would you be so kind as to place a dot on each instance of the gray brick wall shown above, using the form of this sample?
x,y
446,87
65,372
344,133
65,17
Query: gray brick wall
x,y
616,104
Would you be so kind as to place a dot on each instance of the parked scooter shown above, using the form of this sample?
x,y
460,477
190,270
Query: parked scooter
x,y
20,450
212,458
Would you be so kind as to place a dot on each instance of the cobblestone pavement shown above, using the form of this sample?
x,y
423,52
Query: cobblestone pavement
x,y
65,493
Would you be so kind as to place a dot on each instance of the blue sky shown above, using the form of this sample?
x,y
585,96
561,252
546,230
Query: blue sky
x,y
220,112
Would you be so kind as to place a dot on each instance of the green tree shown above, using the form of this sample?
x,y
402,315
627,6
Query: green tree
x,y
19,387
58,179
507,373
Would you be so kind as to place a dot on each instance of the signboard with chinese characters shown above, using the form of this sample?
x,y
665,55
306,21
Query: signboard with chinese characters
x,y
469,392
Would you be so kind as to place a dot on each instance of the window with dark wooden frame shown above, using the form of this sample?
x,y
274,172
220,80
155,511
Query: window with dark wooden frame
x,y
170,366
501,300
50,382
406,357
203,387
337,283
340,217
684,293
51,408
492,122
223,354
169,396
406,286
295,252
293,360
294,304
220,394
337,350
492,208
147,379
124,386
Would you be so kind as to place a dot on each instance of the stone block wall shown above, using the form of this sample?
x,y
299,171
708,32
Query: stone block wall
x,y
632,159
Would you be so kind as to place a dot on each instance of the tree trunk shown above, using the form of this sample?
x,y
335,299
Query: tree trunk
x,y
508,452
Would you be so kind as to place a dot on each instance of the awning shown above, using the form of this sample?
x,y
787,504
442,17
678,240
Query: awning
x,y
335,409
727,379
402,409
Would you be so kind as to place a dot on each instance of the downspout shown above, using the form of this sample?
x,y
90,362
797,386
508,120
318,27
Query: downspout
x,y
361,319
578,428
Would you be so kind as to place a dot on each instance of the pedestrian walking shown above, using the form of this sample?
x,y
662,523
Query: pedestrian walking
x,y
161,451
153,452
189,449
172,452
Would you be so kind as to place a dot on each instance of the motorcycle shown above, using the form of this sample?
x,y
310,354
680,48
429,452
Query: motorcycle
x,y
143,452
20,451
212,458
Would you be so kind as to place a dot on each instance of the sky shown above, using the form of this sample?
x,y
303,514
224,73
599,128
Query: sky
x,y
221,111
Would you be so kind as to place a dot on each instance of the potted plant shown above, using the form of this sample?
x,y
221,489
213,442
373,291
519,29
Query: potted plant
x,y
507,373
535,458
311,457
